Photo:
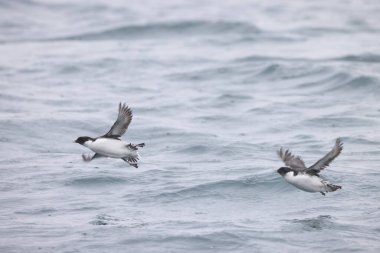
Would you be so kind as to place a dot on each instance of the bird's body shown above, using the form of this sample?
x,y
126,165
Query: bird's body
x,y
110,145
111,148
308,179
306,182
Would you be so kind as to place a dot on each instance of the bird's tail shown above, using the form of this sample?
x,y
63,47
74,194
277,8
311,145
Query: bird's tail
x,y
332,187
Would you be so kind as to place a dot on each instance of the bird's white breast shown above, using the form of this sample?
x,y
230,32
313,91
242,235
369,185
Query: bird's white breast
x,y
110,147
305,182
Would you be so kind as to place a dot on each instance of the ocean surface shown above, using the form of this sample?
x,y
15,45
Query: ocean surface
x,y
216,88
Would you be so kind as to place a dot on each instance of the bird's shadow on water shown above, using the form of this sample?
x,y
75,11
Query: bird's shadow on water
x,y
318,223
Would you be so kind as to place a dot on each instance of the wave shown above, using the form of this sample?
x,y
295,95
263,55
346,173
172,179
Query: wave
x,y
207,74
37,211
367,58
262,184
325,81
95,181
341,83
316,31
163,30
217,241
288,70
359,83
319,79
222,239
339,122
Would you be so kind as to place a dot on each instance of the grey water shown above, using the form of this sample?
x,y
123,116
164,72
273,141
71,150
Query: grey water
x,y
216,87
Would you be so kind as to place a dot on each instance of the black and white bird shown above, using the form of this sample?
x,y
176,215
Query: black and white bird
x,y
110,144
308,179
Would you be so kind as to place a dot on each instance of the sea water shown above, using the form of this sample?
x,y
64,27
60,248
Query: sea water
x,y
216,88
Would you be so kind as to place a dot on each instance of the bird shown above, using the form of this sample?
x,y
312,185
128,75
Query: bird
x,y
308,179
110,144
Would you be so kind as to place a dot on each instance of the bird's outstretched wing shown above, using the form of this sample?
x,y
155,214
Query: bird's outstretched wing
x,y
328,158
121,124
294,162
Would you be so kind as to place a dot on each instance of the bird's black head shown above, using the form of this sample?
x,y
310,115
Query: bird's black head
x,y
81,140
283,170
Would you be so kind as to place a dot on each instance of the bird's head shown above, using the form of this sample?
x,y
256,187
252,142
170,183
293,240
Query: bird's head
x,y
83,139
283,170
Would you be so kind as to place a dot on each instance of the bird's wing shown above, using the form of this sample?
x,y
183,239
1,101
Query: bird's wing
x,y
294,162
121,124
328,158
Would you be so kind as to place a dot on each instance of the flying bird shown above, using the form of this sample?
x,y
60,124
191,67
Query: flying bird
x,y
308,179
110,144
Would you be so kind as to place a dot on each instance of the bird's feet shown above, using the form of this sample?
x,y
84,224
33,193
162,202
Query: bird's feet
x,y
324,194
135,146
86,158
131,146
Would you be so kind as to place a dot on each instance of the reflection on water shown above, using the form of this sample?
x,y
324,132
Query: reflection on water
x,y
318,223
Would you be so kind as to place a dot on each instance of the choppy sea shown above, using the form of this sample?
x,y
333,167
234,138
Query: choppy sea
x,y
216,87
